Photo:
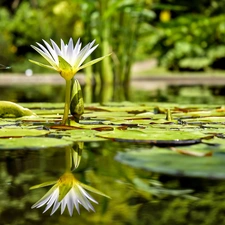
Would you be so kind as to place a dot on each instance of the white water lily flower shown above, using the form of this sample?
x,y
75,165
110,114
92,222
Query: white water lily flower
x,y
69,192
68,59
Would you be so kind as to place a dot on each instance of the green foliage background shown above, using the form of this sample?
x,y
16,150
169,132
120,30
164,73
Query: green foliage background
x,y
192,37
181,34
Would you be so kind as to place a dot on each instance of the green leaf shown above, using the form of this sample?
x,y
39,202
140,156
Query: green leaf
x,y
42,65
63,64
89,188
65,69
93,61
45,184
63,190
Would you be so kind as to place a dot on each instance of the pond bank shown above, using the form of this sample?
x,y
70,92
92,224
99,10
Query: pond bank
x,y
144,83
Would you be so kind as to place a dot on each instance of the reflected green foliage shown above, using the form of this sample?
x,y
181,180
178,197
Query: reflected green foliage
x,y
137,197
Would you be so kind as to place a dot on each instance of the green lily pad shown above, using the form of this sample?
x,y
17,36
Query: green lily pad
x,y
6,122
154,136
206,120
20,132
169,162
43,105
33,143
80,135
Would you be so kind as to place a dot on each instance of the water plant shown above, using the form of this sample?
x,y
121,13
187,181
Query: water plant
x,y
67,60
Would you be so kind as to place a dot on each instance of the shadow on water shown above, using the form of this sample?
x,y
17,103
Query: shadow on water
x,y
137,196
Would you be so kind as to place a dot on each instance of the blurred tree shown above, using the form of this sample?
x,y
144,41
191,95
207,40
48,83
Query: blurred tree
x,y
193,38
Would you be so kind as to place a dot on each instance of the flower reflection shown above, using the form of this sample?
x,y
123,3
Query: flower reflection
x,y
67,191
75,154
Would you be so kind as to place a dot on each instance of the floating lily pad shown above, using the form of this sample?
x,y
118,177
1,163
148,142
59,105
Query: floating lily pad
x,y
33,143
154,136
169,162
43,105
6,122
206,120
81,135
19,132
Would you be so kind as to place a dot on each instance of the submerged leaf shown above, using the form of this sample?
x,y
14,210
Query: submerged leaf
x,y
169,162
191,153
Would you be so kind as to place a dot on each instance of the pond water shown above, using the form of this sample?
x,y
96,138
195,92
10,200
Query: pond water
x,y
137,196
164,191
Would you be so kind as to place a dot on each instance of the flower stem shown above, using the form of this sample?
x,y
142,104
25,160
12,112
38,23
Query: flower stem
x,y
68,159
67,102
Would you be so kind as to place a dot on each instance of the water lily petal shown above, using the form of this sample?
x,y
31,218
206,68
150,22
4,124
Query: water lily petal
x,y
87,195
52,200
76,49
69,53
51,50
82,199
70,203
44,50
63,205
63,48
45,199
57,50
46,56
75,200
55,207
83,54
87,54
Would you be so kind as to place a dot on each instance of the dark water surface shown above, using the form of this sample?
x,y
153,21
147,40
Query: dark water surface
x,y
137,196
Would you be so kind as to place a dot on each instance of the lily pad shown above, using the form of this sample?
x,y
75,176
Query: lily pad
x,y
33,143
154,136
173,163
79,135
19,132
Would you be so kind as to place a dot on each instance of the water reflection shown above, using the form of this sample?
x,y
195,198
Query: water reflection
x,y
67,191
137,196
